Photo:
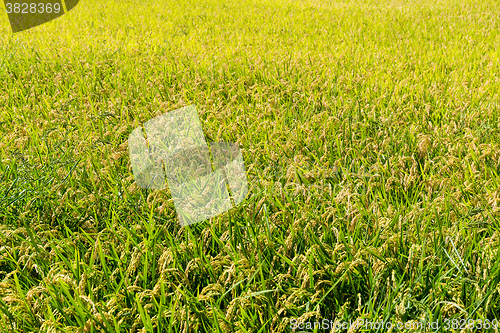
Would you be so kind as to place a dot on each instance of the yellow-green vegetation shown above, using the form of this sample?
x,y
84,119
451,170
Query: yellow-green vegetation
x,y
371,136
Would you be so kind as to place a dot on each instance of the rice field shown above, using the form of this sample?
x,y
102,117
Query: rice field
x,y
371,139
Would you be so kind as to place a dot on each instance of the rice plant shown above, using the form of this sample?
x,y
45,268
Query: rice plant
x,y
371,138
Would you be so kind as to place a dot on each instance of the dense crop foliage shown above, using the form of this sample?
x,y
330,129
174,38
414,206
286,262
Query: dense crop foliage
x,y
371,136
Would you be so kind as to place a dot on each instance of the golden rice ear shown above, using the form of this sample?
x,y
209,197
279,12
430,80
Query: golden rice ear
x,y
26,14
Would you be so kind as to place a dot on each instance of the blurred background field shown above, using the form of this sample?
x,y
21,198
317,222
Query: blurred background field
x,y
370,134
